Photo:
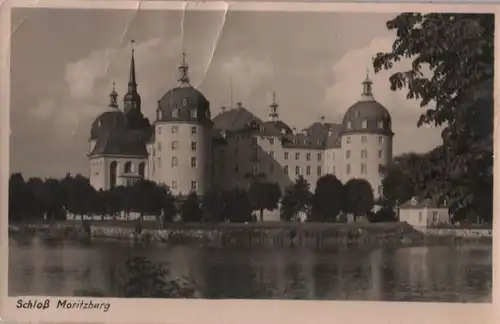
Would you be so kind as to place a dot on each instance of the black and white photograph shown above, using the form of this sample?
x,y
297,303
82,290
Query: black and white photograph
x,y
250,154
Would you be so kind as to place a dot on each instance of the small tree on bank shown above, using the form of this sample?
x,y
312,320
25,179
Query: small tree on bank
x,y
359,198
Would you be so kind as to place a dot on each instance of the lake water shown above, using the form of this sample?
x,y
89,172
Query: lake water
x,y
449,274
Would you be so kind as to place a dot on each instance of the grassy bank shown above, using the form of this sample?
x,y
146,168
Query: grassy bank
x,y
315,235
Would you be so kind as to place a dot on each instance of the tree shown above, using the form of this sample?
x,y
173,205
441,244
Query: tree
x,y
458,93
359,198
264,195
237,208
190,210
18,197
327,199
297,198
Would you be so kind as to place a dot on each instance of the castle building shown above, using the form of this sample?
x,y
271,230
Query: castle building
x,y
188,150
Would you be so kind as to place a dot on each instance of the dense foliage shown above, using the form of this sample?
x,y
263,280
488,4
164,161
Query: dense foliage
x,y
53,199
457,94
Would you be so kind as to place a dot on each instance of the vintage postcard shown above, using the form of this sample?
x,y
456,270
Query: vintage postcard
x,y
182,162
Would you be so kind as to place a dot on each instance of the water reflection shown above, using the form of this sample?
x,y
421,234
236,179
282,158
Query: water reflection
x,y
420,274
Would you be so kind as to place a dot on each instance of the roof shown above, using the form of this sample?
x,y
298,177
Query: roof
x,y
106,121
367,116
421,203
234,119
179,103
120,141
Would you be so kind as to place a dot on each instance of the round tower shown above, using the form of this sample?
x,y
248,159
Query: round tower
x,y
181,152
366,140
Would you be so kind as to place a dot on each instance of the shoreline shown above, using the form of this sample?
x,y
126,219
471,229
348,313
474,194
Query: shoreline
x,y
311,235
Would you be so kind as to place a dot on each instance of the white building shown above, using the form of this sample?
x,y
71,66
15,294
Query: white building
x,y
188,150
424,213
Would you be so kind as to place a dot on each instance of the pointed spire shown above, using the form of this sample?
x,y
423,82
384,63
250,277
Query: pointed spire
x,y
183,69
367,87
132,99
274,109
113,97
132,81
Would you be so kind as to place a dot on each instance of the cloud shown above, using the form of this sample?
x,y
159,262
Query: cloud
x,y
351,70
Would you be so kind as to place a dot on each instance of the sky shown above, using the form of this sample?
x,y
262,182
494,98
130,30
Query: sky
x,y
64,61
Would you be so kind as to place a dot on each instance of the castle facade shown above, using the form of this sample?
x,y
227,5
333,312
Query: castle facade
x,y
188,150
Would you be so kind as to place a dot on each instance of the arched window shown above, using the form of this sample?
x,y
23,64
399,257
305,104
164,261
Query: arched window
x,y
112,174
142,168
175,113
128,167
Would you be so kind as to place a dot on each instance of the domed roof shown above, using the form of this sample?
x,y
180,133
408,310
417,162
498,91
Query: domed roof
x,y
183,103
106,121
367,115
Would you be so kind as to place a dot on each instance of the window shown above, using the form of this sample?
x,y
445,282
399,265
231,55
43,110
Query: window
x,y
175,129
320,156
380,124
193,162
379,154
297,170
184,102
255,153
363,168
347,154
420,217
174,145
159,162
236,168
349,124
348,139
174,184
308,170
318,171
158,128
193,146
286,155
174,162
271,141
308,156
380,140
364,154
175,113
285,168
364,124
193,130
297,156
271,154
364,139
348,169
142,169
193,185
128,167
194,113
271,168
159,147
255,168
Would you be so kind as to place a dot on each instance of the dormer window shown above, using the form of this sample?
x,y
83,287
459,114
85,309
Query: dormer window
x,y
184,102
380,124
414,201
349,125
364,124
357,114
175,113
194,113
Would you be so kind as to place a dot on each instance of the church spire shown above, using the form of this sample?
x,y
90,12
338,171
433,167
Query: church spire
x,y
132,84
367,87
132,99
273,115
183,71
113,98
